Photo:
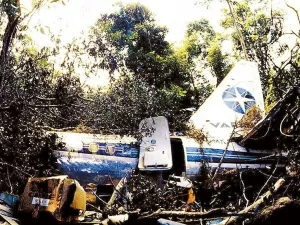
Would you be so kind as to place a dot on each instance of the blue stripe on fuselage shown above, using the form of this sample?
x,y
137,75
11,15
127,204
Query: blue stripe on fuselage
x,y
215,155
88,167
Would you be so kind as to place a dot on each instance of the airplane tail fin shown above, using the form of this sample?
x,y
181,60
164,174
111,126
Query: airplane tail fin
x,y
239,91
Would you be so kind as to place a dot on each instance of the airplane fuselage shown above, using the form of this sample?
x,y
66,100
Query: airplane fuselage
x,y
102,162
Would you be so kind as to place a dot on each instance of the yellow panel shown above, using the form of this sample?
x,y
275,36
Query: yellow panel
x,y
79,201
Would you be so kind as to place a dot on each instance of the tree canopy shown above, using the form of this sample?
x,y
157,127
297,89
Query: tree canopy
x,y
130,43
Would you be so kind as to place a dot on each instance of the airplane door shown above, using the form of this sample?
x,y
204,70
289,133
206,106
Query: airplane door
x,y
155,147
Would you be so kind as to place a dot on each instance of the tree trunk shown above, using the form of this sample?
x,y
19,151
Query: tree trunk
x,y
13,11
237,29
9,34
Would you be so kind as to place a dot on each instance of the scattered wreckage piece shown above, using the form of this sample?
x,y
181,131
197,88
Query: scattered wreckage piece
x,y
168,222
6,210
117,190
66,201
179,181
9,199
6,220
7,203
282,121
63,198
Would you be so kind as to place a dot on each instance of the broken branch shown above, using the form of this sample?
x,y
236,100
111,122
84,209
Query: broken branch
x,y
291,7
191,215
233,220
117,190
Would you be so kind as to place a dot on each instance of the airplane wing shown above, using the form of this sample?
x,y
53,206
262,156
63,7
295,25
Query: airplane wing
x,y
279,126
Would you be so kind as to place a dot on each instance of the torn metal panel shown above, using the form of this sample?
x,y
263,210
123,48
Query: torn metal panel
x,y
5,210
8,220
79,200
183,182
37,193
7,202
168,222
265,135
9,199
58,196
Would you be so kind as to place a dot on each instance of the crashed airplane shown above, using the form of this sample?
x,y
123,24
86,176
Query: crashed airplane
x,y
90,158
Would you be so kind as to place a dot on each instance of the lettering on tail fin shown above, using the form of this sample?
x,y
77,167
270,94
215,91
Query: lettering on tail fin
x,y
216,125
221,124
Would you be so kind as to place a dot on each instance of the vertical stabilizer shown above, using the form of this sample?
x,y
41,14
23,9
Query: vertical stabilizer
x,y
239,91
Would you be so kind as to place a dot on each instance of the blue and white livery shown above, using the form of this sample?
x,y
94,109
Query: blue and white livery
x,y
92,158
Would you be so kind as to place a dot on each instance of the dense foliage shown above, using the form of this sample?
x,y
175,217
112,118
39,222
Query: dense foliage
x,y
148,77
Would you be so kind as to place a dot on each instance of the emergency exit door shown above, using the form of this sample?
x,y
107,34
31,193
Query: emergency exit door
x,y
155,147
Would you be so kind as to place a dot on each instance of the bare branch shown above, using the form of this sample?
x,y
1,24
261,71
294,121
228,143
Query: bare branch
x,y
58,130
46,106
219,212
297,35
237,29
267,180
232,220
244,189
45,99
20,170
85,99
297,13
5,108
11,188
225,152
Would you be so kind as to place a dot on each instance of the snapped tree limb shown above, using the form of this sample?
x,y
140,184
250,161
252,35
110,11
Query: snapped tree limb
x,y
219,212
233,220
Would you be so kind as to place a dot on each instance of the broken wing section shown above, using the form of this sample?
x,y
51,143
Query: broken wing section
x,y
281,123
239,91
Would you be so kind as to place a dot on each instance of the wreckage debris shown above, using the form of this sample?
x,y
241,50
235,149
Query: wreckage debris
x,y
7,204
62,198
137,200
149,203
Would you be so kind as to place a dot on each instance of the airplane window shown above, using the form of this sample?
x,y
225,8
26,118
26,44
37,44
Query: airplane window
x,y
93,148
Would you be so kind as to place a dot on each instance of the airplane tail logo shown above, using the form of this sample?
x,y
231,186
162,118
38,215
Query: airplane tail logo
x,y
239,91
238,99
